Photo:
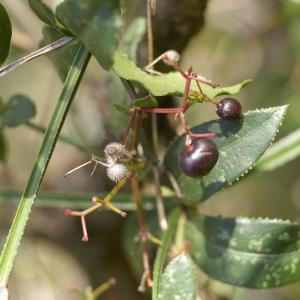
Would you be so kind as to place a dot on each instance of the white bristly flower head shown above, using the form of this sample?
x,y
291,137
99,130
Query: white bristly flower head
x,y
171,57
115,150
116,172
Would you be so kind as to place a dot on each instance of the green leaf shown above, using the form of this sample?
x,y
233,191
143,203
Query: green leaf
x,y
282,152
146,102
18,110
179,280
252,253
19,223
5,34
96,23
165,84
123,109
3,147
240,142
62,58
167,240
43,11
133,36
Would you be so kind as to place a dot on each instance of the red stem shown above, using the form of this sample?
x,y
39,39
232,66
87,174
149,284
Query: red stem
x,y
201,135
186,75
185,96
158,110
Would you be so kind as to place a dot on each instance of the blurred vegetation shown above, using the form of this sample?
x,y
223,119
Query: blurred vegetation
x,y
240,40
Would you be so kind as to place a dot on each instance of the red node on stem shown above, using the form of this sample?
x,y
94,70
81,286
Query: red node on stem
x,y
85,238
68,212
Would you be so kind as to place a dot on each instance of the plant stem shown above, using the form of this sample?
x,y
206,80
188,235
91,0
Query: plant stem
x,y
55,45
194,77
143,234
126,136
67,140
19,223
150,31
104,287
159,110
185,96
204,96
156,174
99,203
159,202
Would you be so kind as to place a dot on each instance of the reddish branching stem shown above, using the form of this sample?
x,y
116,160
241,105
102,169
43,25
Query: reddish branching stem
x,y
205,97
179,112
98,203
184,104
194,76
158,110
85,237
143,234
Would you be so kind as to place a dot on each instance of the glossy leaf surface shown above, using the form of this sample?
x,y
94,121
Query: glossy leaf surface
x,y
252,253
240,142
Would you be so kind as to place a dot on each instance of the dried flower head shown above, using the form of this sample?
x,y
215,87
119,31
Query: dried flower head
x,y
115,150
171,57
116,172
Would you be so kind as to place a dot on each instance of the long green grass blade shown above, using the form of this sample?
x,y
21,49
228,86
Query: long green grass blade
x,y
78,200
19,223
65,139
162,252
282,152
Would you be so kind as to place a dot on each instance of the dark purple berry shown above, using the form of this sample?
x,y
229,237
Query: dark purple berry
x,y
199,158
229,109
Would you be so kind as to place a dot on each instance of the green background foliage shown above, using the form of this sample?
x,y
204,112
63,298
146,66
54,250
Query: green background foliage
x,y
246,252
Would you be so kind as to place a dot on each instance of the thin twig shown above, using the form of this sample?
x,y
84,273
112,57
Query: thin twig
x,y
77,168
104,287
159,110
150,31
143,233
185,96
55,45
174,184
97,204
204,96
126,136
108,198
137,127
156,174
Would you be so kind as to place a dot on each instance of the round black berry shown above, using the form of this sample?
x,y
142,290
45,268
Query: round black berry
x,y
199,158
229,109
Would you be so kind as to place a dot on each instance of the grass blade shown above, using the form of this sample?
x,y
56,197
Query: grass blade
x,y
78,200
65,139
285,150
19,223
162,252
23,60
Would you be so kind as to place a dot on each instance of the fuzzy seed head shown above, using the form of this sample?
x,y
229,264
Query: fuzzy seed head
x,y
116,172
115,150
171,57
